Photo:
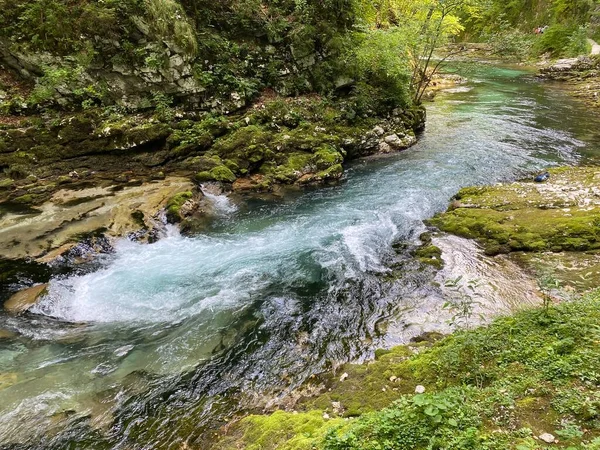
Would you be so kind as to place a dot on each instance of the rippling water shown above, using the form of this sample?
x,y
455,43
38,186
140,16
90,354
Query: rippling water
x,y
165,339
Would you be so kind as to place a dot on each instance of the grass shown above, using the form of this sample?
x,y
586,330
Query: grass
x,y
496,387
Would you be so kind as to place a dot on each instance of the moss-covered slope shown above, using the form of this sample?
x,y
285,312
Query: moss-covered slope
x,y
506,386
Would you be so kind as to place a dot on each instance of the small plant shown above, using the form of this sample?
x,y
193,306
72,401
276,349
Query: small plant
x,y
570,431
462,301
547,283
163,106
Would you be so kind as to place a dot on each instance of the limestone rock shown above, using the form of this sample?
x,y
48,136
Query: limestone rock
x,y
25,299
547,438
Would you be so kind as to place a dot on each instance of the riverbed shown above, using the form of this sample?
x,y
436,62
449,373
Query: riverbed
x,y
164,340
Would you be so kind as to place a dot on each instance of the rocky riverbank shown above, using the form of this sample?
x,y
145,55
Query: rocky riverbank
x,y
64,177
581,76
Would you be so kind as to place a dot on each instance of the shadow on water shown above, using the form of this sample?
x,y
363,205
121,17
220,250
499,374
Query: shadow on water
x,y
168,340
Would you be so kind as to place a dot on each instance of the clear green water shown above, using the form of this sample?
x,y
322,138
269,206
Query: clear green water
x,y
169,338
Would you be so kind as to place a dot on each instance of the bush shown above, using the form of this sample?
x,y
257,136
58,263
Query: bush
x,y
562,40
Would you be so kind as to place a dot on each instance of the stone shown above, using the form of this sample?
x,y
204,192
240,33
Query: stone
x,y
420,389
384,147
337,408
379,131
344,376
547,438
25,299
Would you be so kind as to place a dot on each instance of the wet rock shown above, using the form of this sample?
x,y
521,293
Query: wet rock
x,y
25,299
5,334
70,214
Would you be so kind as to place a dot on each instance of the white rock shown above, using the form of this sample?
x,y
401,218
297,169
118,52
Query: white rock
x,y
378,131
419,389
325,416
344,376
547,437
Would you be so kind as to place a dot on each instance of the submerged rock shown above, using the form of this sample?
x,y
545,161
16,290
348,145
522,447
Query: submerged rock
x,y
25,299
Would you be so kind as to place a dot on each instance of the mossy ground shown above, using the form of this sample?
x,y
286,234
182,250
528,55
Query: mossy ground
x,y
497,387
562,214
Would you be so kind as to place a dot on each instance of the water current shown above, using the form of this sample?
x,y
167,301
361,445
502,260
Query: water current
x,y
166,339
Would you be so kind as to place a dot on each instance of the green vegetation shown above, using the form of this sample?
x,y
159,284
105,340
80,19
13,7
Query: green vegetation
x,y
529,217
174,205
510,26
495,387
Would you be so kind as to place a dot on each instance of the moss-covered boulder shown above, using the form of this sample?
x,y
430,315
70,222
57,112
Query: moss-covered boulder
x,y
561,214
174,204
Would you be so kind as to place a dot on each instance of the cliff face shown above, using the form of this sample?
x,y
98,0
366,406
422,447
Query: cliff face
x,y
207,54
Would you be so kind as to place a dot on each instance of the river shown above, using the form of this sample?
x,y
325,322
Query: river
x,y
166,339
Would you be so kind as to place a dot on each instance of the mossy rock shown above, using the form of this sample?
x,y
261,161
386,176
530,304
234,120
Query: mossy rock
x,y
431,255
223,174
525,216
174,205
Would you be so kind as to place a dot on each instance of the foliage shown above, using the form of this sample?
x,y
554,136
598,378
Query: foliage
x,y
382,61
169,21
462,300
508,23
509,42
561,40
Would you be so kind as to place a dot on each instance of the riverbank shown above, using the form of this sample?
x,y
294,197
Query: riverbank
x,y
68,176
580,76
526,381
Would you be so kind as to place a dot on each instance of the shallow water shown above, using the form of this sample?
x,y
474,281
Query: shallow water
x,y
165,339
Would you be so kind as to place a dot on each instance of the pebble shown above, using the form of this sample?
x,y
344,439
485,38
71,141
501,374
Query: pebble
x,y
420,389
344,376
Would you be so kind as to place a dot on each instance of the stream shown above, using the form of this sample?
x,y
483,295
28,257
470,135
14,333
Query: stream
x,y
165,340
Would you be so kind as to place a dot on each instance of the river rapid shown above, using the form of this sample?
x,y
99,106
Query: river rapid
x,y
165,340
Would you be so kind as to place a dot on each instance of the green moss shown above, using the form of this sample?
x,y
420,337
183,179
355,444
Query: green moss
x,y
205,175
27,199
331,173
174,206
519,217
431,255
281,430
327,156
6,183
367,387
222,173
